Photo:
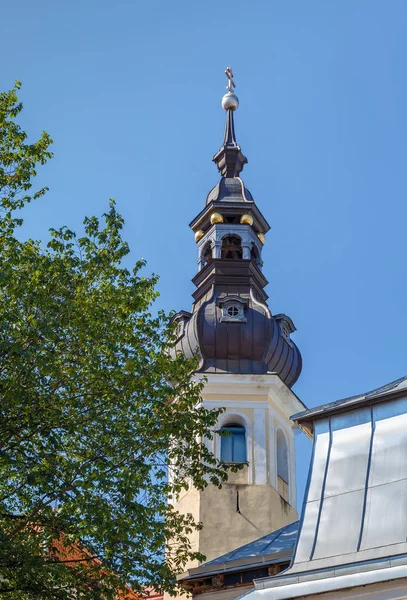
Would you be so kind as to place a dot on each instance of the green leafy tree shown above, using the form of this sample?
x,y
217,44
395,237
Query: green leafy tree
x,y
93,409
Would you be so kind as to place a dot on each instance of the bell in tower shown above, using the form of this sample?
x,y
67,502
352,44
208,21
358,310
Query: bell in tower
x,y
249,360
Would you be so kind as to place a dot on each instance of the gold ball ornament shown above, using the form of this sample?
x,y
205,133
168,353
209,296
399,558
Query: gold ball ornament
x,y
261,237
216,218
199,234
246,219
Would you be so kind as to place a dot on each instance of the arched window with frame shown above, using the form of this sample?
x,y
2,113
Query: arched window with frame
x,y
233,443
282,464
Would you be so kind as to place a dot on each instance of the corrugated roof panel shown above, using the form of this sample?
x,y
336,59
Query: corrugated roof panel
x,y
354,520
355,506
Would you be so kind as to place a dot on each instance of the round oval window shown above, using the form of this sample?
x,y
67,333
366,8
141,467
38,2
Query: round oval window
x,y
233,311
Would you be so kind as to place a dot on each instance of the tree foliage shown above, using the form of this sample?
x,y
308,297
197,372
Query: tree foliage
x,y
89,424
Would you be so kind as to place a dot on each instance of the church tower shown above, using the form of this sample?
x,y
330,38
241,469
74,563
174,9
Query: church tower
x,y
249,360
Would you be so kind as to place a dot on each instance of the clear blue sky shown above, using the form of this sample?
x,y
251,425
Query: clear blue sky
x,y
130,92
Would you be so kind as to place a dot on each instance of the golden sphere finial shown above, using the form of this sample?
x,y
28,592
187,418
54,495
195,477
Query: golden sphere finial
x,y
246,219
216,218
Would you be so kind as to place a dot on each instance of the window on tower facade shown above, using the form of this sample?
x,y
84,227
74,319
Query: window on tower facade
x,y
232,247
233,444
233,309
233,312
282,464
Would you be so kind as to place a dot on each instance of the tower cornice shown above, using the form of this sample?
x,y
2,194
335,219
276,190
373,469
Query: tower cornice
x,y
225,273
230,208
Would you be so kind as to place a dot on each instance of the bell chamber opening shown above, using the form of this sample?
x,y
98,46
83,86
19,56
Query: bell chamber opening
x,y
207,253
232,247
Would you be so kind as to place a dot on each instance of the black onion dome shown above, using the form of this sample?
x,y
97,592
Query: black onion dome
x,y
256,346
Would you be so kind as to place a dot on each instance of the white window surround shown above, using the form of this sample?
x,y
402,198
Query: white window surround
x,y
251,392
256,455
241,419
282,456
275,423
289,438
260,416
235,302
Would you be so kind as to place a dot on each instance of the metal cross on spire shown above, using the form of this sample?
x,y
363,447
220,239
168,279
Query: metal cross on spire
x,y
229,74
229,159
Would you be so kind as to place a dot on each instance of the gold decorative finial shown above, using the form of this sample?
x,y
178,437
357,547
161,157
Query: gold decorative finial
x,y
231,84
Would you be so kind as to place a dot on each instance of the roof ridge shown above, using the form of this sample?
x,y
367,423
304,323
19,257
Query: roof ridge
x,y
366,395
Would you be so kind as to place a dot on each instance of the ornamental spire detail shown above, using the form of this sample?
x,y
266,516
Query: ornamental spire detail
x,y
231,84
229,159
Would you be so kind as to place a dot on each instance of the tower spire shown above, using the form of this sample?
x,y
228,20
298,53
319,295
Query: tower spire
x,y
229,159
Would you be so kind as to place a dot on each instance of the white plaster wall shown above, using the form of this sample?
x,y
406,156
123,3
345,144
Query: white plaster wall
x,y
260,446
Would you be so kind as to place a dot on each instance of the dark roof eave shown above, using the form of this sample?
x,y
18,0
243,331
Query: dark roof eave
x,y
181,313
235,565
250,204
305,419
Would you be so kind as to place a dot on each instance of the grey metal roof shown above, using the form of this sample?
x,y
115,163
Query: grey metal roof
x,y
355,504
337,579
275,542
354,518
398,384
